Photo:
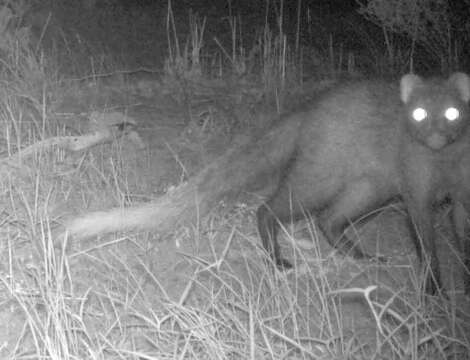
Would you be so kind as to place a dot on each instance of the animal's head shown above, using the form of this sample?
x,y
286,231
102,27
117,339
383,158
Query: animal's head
x,y
437,109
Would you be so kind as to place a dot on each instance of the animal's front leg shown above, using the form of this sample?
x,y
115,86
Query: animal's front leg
x,y
462,232
419,202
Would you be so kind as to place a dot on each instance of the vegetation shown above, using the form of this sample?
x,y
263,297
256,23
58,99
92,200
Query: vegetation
x,y
196,78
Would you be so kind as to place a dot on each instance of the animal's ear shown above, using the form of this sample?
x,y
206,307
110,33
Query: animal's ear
x,y
461,82
408,84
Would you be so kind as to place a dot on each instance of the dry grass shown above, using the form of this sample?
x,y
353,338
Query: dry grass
x,y
211,295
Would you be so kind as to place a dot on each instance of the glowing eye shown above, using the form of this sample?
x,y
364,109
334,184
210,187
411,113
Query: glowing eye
x,y
452,114
419,114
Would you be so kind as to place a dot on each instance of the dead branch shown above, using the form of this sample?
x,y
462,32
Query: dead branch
x,y
107,128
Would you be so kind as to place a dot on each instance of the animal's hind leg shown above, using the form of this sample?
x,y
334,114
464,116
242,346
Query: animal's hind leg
x,y
279,209
268,228
353,203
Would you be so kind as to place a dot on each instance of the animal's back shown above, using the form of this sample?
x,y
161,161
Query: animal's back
x,y
351,133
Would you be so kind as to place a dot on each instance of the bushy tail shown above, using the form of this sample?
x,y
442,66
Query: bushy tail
x,y
239,169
